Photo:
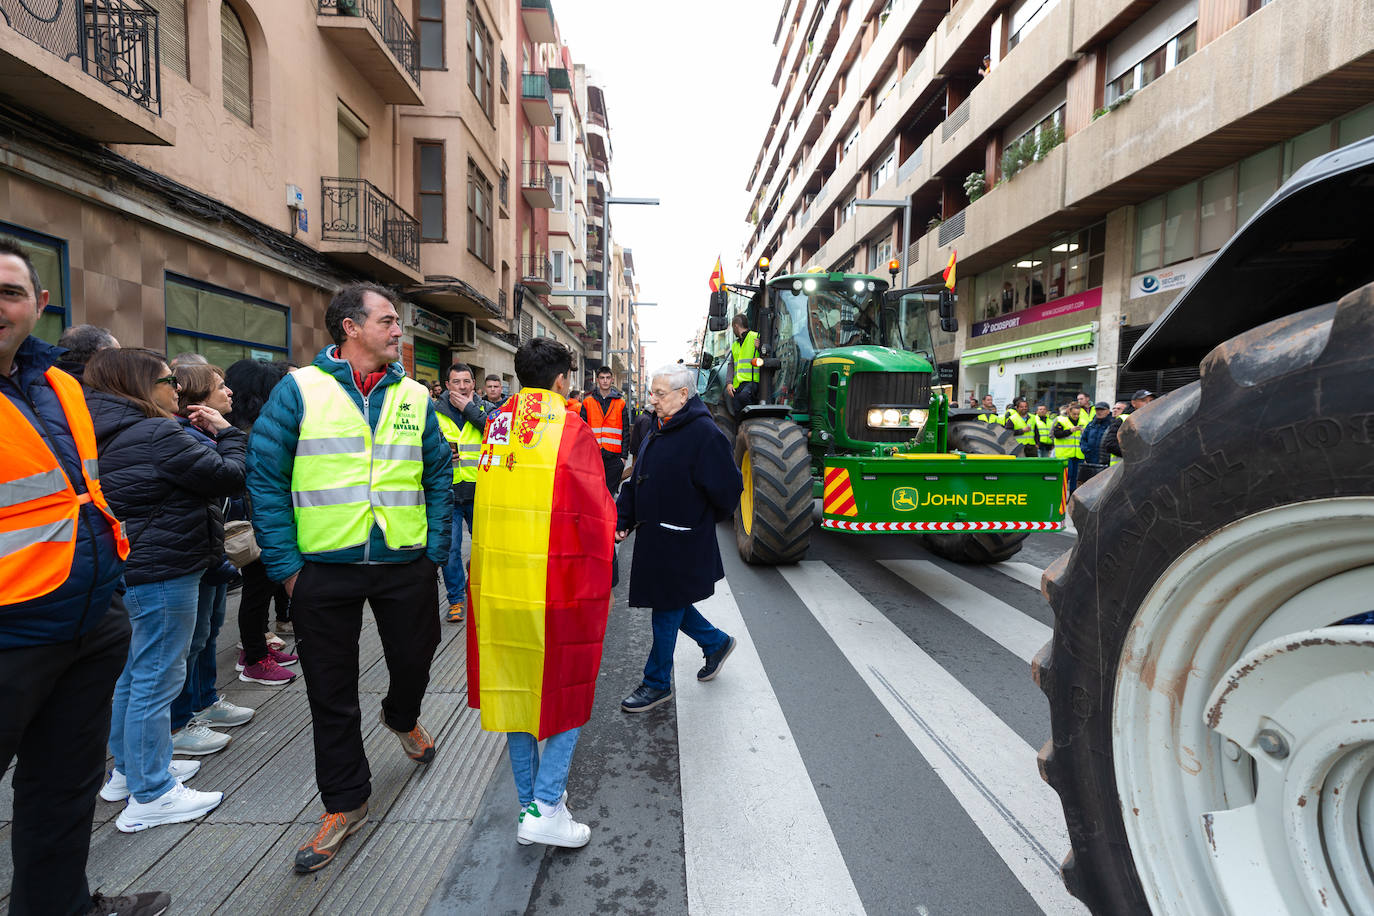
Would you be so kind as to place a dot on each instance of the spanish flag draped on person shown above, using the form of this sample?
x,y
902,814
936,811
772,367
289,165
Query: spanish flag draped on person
x,y
542,548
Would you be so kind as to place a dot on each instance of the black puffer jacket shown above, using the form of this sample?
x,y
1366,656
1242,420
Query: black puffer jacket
x,y
165,486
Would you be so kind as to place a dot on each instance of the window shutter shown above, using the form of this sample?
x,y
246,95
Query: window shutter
x,y
171,34
238,66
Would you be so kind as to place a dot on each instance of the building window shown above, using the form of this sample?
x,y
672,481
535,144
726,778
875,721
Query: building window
x,y
222,325
1027,17
847,211
49,256
171,34
558,126
883,171
849,142
429,194
238,65
1155,64
479,214
1067,266
479,59
429,22
557,257
556,191
879,253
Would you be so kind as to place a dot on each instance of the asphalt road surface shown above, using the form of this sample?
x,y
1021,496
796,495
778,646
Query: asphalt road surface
x,y
868,748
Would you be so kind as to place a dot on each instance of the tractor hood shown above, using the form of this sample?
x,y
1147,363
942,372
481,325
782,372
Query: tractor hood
x,y
1309,244
872,359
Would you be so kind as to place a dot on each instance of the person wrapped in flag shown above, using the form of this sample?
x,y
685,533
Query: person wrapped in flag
x,y
540,586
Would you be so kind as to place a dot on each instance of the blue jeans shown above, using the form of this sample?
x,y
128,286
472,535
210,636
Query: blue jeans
x,y
542,779
658,670
455,574
163,615
1073,473
199,689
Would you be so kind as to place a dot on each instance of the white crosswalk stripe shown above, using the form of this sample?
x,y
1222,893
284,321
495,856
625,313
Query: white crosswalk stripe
x,y
1014,631
986,765
738,761
1021,572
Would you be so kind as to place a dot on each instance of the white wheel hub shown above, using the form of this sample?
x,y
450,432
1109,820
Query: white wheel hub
x,y
1243,720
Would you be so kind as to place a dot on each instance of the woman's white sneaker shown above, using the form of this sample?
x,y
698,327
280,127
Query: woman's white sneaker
x,y
116,788
175,806
552,827
197,739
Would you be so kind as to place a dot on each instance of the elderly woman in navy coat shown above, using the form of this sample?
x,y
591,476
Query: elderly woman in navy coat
x,y
684,481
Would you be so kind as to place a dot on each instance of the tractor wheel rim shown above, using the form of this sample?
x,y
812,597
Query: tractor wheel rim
x,y
746,497
1243,739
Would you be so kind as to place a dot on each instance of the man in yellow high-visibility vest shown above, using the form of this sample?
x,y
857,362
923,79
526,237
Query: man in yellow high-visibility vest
x,y
351,485
743,389
1020,422
463,418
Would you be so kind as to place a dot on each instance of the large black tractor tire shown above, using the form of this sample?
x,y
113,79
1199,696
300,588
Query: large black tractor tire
x,y
978,438
724,421
773,518
1280,417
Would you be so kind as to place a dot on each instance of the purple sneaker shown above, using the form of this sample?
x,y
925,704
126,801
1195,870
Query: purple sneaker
x,y
267,672
278,656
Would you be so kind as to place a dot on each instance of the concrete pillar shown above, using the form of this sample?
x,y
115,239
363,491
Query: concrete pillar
x,y
1116,288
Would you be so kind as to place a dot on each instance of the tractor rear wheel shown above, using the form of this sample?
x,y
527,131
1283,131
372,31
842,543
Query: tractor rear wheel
x,y
1209,674
773,518
978,438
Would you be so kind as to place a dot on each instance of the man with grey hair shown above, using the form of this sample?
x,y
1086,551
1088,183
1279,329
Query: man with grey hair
x,y
82,341
684,481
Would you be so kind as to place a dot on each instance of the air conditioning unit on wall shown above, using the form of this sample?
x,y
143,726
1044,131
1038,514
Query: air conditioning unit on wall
x,y
464,333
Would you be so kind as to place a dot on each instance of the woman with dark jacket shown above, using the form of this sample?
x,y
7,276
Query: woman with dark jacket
x,y
162,483
259,663
684,481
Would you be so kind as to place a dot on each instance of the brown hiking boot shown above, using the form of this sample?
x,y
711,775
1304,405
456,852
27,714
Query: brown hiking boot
x,y
417,743
319,850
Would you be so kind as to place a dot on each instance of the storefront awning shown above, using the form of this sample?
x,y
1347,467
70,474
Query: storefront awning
x,y
1058,340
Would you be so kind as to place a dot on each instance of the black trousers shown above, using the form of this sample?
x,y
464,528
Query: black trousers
x,y
327,611
615,466
55,717
745,394
255,601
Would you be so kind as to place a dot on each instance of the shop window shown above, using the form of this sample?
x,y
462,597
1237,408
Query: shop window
x,y
1067,266
49,256
222,325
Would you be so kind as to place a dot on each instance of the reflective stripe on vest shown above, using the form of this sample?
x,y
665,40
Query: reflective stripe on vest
x,y
609,428
1025,434
1044,430
743,353
994,418
39,506
467,448
1068,447
347,476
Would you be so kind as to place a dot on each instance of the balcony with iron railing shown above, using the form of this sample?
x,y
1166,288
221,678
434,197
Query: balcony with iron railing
x,y
536,183
378,40
536,98
362,227
92,66
536,273
538,18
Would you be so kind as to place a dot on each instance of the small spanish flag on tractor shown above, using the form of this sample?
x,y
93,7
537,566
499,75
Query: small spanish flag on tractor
x,y
949,271
717,277
839,493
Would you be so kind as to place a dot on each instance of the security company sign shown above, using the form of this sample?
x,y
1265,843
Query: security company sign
x,y
1174,278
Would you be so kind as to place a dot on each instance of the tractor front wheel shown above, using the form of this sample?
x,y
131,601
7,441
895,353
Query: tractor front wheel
x,y
978,438
773,519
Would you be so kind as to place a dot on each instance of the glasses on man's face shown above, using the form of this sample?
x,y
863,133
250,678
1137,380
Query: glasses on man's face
x,y
660,395
167,380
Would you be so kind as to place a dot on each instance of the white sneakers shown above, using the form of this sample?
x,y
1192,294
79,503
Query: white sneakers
x,y
224,714
197,740
551,826
174,806
116,788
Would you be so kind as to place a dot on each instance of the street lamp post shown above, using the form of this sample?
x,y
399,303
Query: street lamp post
x,y
905,204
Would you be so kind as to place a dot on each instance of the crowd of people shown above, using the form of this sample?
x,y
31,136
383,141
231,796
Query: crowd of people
x,y
136,493
1083,433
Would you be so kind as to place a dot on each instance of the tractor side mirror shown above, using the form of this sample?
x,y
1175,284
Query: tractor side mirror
x,y
717,322
719,300
948,322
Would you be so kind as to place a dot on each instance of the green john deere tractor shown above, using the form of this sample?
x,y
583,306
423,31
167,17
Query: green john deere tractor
x,y
848,414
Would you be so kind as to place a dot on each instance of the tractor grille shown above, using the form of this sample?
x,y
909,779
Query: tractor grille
x,y
870,388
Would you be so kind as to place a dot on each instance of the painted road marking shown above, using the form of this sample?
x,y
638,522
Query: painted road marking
x,y
1021,572
987,766
1018,633
739,766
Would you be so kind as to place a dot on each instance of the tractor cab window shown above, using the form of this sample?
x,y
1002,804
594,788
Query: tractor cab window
x,y
912,320
843,314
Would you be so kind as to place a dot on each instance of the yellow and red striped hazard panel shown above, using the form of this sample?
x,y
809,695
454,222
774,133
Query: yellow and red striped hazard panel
x,y
839,493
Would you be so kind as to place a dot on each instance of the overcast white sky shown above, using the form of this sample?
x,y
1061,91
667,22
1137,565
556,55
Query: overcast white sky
x,y
687,91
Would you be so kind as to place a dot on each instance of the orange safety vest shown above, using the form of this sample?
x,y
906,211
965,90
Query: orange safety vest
x,y
609,428
38,504
574,405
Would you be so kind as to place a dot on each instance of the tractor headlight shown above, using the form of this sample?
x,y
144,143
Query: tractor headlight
x,y
917,417
892,416
913,418
875,417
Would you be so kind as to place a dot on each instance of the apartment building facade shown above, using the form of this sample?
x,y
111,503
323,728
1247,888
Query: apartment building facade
x,y
1085,158
200,175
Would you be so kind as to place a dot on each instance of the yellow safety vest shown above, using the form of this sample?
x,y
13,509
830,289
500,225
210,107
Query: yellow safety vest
x,y
346,476
1068,448
1025,433
743,353
1044,428
993,418
1117,459
467,445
